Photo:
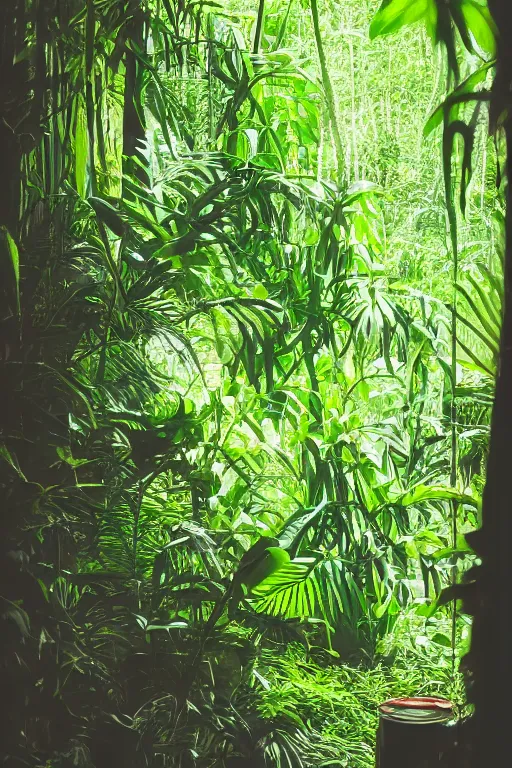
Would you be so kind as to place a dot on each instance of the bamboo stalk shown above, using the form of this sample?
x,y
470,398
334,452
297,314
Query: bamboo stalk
x,y
259,27
329,92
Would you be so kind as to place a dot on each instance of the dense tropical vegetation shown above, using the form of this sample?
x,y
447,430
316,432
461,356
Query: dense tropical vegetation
x,y
251,264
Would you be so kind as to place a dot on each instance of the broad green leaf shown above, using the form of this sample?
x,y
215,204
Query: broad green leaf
x,y
81,149
432,493
11,255
260,292
12,460
395,14
108,215
66,455
480,24
360,188
440,639
166,627
311,236
272,560
459,96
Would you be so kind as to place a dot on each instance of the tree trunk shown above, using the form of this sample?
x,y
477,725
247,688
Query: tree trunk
x,y
489,596
134,129
12,81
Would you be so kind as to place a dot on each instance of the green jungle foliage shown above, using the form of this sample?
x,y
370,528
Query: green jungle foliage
x,y
252,304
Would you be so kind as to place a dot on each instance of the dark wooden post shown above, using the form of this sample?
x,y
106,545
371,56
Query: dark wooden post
x,y
489,595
